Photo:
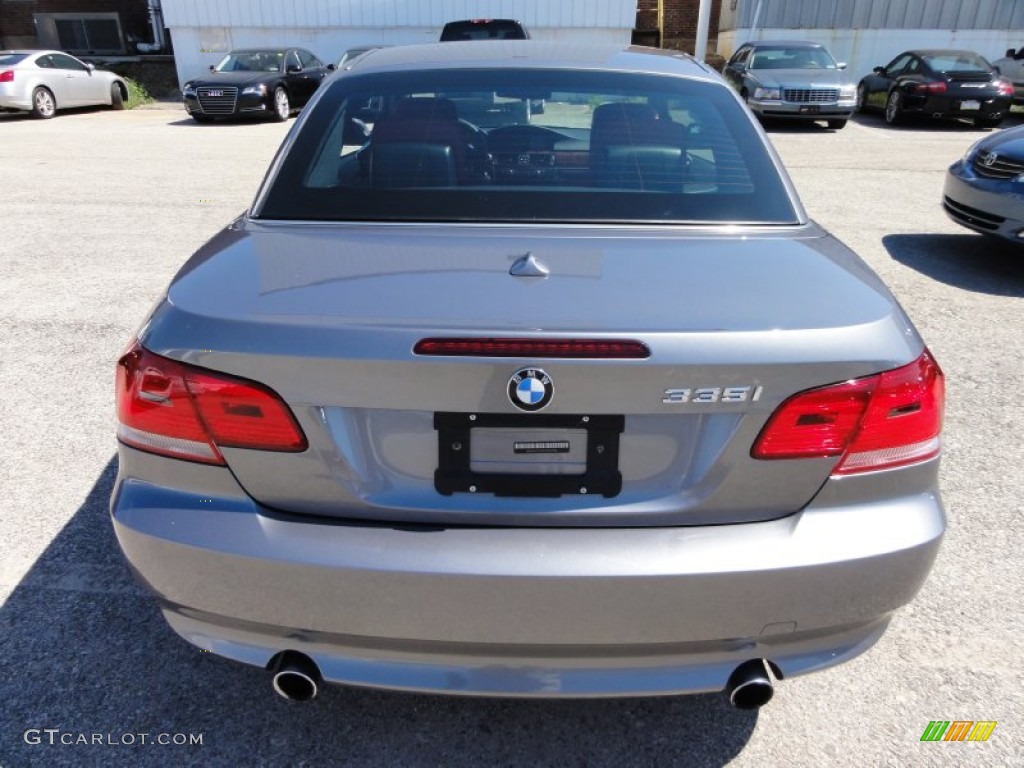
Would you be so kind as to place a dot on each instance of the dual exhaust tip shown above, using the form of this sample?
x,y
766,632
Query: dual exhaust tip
x,y
297,678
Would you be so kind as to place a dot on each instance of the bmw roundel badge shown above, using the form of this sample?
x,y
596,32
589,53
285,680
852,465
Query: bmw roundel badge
x,y
530,389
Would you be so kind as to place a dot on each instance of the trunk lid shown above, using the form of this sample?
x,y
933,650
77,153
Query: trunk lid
x,y
328,315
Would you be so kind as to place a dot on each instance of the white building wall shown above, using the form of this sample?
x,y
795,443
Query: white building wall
x,y
204,30
864,49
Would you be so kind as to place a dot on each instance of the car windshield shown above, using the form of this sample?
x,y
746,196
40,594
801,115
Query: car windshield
x,y
252,61
527,146
956,62
9,59
792,58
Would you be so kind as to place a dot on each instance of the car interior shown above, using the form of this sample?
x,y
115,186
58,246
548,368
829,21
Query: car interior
x,y
425,141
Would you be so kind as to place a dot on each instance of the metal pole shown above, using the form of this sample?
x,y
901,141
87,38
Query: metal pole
x,y
661,23
700,48
757,17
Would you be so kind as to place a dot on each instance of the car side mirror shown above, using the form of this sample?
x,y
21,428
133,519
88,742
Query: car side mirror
x,y
1010,53
840,65
291,68
89,66
332,67
212,68
879,70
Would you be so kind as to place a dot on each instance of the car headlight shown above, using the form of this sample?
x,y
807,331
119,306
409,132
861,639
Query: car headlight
x,y
767,93
847,91
189,89
255,90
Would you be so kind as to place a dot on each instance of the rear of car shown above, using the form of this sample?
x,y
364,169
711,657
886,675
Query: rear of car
x,y
14,92
578,407
483,29
958,84
1011,67
984,189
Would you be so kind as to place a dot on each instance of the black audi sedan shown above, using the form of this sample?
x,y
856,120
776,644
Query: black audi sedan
x,y
263,82
937,83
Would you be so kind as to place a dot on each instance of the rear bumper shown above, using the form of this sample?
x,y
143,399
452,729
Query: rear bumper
x,y
14,99
949,107
524,612
983,205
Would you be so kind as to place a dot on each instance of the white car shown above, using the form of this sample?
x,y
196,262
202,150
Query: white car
x,y
41,82
1011,66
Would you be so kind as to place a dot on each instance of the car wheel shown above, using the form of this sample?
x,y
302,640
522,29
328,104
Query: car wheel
x,y
200,118
987,122
43,105
893,109
282,107
862,98
837,125
116,97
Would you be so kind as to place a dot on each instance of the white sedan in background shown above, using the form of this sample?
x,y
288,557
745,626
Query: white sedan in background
x,y
41,82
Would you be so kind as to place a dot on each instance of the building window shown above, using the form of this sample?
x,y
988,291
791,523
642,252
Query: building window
x,y
81,32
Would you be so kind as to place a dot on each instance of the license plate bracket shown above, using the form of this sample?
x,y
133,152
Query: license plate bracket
x,y
810,109
970,105
455,475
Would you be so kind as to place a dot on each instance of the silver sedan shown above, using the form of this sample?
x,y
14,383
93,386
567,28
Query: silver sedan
x,y
793,80
577,404
41,82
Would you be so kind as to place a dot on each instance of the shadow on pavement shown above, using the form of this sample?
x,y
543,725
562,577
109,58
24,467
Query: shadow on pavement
x,y
972,262
188,122
779,125
83,649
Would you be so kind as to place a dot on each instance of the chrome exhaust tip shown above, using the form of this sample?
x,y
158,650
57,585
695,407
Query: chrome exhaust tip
x,y
296,677
750,685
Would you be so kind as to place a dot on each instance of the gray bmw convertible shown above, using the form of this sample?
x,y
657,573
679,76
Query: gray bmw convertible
x,y
576,404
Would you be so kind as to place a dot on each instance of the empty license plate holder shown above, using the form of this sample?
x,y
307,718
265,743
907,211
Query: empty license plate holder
x,y
454,474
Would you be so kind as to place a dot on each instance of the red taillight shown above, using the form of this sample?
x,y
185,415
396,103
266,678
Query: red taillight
x,y
7,76
557,348
939,87
174,409
886,420
1005,88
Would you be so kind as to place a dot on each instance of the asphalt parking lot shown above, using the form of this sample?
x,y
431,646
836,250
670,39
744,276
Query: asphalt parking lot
x,y
98,209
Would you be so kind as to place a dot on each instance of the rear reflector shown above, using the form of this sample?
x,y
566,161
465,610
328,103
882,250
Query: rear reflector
x,y
564,348
886,420
175,409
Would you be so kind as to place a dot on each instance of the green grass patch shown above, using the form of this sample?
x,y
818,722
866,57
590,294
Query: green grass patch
x,y
137,94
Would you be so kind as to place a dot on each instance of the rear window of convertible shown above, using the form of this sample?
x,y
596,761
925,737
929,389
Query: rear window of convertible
x,y
527,146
